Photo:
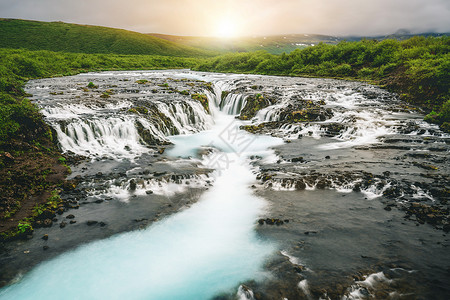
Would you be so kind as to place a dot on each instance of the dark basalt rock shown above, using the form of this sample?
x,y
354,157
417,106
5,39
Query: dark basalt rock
x,y
272,221
90,222
47,223
297,159
133,185
255,103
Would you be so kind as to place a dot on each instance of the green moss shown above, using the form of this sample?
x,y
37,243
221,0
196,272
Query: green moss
x,y
105,95
203,99
142,81
138,110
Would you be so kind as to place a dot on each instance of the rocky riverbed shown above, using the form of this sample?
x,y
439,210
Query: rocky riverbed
x,y
355,185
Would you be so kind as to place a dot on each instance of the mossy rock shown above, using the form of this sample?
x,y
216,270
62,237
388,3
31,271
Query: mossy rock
x,y
203,99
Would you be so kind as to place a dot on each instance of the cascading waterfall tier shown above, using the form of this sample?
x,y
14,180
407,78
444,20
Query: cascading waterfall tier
x,y
114,118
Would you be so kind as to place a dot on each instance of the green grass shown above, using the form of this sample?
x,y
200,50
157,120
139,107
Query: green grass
x,y
418,68
59,36
274,44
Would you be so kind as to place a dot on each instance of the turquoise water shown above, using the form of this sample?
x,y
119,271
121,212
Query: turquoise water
x,y
197,253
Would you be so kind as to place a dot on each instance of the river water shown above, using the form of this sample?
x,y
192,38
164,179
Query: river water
x,y
347,203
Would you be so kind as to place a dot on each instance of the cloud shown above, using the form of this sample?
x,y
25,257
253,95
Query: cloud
x,y
253,17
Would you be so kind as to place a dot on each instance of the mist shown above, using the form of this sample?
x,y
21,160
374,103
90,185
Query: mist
x,y
249,17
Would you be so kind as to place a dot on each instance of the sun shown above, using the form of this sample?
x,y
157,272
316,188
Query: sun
x,y
226,29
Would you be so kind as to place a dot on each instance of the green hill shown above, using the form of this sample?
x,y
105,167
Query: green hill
x,y
59,36
275,44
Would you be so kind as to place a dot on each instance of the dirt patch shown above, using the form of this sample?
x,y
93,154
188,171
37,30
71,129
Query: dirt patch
x,y
28,175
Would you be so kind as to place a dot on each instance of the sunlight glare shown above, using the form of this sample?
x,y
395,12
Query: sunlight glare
x,y
226,29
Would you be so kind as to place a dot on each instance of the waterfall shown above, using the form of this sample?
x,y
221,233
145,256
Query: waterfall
x,y
186,116
97,132
233,104
113,136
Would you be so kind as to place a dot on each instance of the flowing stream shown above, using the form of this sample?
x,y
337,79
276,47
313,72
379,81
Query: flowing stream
x,y
285,209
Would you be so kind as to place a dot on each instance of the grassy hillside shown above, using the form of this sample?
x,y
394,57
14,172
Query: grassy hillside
x,y
275,44
418,68
58,36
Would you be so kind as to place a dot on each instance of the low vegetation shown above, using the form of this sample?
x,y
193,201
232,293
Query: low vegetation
x,y
65,37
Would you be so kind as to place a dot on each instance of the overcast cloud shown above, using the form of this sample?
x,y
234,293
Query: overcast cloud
x,y
251,17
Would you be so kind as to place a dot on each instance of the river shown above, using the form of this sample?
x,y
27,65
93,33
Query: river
x,y
335,189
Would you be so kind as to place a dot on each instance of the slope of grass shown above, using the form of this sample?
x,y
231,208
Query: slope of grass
x,y
274,44
59,36
418,68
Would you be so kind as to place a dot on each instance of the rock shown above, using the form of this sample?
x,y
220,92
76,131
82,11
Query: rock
x,y
327,157
297,159
159,173
47,223
62,224
90,222
8,156
299,268
388,208
261,221
132,185
45,237
321,185
300,185
309,232
446,228
149,192
102,224
72,221
70,216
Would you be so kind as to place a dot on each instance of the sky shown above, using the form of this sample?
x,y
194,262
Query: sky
x,y
242,17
